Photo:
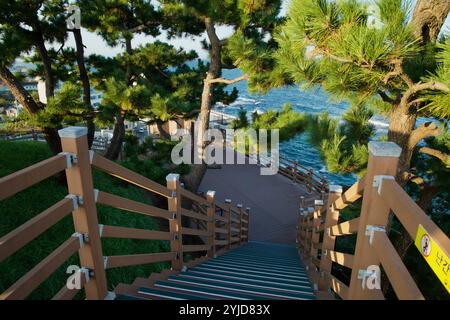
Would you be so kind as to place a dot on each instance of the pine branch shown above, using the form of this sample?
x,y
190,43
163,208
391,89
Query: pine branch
x,y
428,129
398,72
228,81
386,98
432,85
445,158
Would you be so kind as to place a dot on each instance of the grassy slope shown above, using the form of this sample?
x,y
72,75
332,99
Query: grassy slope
x,y
18,209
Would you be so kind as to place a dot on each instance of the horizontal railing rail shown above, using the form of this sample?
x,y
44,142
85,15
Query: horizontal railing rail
x,y
77,161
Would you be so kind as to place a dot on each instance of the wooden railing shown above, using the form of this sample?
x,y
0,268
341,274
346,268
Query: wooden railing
x,y
296,172
380,194
77,161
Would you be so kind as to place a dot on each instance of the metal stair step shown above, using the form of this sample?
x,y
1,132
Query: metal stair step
x,y
271,290
278,274
303,286
219,293
248,277
258,266
167,294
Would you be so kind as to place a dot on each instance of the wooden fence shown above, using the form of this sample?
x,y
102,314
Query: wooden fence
x,y
319,227
296,172
224,230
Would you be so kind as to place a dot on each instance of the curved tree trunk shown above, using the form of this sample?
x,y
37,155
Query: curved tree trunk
x,y
213,72
428,18
115,147
401,126
86,85
27,101
163,130
119,128
46,62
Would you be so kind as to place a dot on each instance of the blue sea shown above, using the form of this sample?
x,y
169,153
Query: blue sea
x,y
314,101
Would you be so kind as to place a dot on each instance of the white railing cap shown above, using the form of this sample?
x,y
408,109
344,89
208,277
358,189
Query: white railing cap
x,y
384,149
72,132
173,177
334,188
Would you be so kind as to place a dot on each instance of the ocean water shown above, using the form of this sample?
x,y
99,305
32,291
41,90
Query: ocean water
x,y
313,101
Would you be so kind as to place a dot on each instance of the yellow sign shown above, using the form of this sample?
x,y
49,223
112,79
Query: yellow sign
x,y
434,256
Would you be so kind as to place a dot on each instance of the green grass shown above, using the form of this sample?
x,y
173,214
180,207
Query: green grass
x,y
20,208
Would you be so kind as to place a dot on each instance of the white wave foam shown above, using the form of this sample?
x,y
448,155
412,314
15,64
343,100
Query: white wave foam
x,y
379,123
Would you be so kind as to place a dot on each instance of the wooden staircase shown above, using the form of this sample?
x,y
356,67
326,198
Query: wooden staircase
x,y
254,271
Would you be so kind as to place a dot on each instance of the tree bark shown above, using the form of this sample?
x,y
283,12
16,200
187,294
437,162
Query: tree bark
x,y
86,85
46,62
27,101
401,125
115,147
119,128
428,18
163,129
213,72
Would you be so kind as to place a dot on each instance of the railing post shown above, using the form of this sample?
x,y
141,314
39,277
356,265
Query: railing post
x,y
303,232
308,225
228,216
80,184
239,206
211,224
247,210
383,160
328,242
174,206
315,236
302,202
309,181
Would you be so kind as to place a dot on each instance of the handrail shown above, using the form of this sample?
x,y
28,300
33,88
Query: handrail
x,y
137,259
125,174
402,282
133,233
132,206
28,231
192,196
193,248
345,228
344,259
194,215
22,179
410,214
32,279
354,193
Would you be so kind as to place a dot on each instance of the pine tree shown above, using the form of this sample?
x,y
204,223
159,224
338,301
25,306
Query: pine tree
x,y
353,53
249,17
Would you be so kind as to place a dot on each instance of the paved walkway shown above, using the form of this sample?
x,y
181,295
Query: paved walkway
x,y
274,200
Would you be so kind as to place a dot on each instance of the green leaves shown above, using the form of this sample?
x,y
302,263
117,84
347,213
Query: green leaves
x,y
439,102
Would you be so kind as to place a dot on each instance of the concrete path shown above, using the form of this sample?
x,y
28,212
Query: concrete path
x,y
274,200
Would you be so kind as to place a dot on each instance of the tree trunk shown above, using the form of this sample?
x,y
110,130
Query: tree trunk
x,y
401,125
46,62
428,18
115,147
213,72
163,130
86,85
27,101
